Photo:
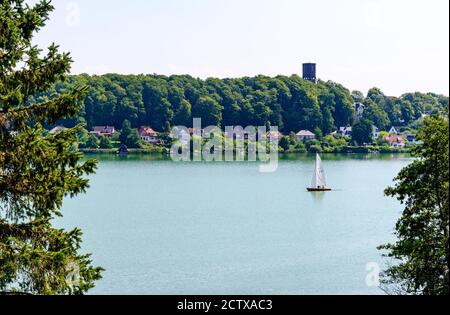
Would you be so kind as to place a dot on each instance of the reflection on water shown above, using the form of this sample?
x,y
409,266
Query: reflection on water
x,y
282,157
160,227
341,157
318,196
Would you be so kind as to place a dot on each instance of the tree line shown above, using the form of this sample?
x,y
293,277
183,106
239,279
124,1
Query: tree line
x,y
290,103
39,170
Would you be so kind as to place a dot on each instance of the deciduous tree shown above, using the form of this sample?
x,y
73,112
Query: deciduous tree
x,y
362,132
421,253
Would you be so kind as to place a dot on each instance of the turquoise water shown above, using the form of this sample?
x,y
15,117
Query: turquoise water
x,y
160,227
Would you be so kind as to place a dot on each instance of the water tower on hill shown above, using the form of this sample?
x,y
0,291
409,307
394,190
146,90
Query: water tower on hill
x,y
309,72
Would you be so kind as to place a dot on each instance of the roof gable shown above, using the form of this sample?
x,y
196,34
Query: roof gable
x,y
305,133
147,132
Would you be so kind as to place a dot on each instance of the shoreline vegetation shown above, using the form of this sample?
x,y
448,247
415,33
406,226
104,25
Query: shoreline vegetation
x,y
163,152
40,168
335,143
139,111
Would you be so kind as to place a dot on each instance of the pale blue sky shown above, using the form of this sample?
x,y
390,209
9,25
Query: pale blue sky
x,y
397,45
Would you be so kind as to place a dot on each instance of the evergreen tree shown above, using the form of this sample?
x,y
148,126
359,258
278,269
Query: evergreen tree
x,y
129,136
167,128
37,170
125,131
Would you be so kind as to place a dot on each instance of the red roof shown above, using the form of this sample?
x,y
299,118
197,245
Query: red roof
x,y
275,134
395,139
147,132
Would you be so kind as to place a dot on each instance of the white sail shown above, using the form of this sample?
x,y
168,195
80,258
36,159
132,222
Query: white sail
x,y
318,179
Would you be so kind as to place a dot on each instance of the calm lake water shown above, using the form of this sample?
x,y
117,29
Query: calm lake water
x,y
160,227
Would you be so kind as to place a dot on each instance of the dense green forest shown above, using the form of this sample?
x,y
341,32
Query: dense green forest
x,y
290,103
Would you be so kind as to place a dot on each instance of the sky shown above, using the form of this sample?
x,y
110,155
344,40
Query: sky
x,y
397,45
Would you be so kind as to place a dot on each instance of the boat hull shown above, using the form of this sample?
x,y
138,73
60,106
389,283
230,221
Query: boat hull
x,y
318,189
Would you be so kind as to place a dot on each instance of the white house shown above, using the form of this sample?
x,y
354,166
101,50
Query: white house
x,y
396,141
375,133
346,131
148,135
411,137
103,131
304,135
394,130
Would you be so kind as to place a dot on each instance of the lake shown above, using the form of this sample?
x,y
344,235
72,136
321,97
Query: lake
x,y
160,227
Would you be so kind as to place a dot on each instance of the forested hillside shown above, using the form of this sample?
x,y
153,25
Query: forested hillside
x,y
290,103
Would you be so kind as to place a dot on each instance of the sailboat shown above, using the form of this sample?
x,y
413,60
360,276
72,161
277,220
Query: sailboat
x,y
318,182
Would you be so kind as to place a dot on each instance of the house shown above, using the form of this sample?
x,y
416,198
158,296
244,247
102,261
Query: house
x,y
394,130
346,131
148,135
411,137
274,135
103,131
375,133
359,110
396,141
57,129
304,135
